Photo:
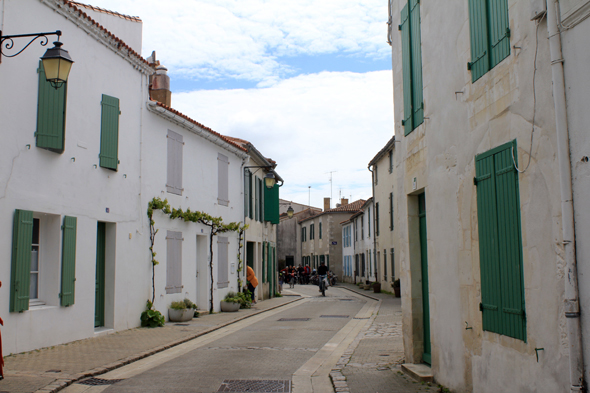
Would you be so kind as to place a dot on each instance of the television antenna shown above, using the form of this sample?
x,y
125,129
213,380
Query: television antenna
x,y
331,186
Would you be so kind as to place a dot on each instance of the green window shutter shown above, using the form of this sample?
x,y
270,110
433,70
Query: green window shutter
x,y
391,211
261,199
251,193
20,280
478,27
271,204
263,261
499,31
256,199
416,43
68,261
269,267
328,261
109,132
246,194
500,243
320,230
406,70
51,114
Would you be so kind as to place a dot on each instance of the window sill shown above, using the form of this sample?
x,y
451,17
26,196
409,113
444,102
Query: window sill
x,y
39,305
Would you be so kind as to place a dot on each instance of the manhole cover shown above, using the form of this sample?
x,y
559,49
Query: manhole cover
x,y
252,385
293,319
334,316
99,381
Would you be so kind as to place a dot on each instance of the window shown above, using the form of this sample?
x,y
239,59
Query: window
x,y
362,227
391,211
51,114
320,229
222,180
251,199
384,265
500,244
257,198
35,254
490,35
247,187
368,222
109,132
303,234
377,219
222,262
412,66
392,264
174,262
390,161
174,179
376,175
311,231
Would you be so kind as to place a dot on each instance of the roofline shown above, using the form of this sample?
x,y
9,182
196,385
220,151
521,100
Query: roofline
x,y
72,12
250,148
109,12
194,126
390,145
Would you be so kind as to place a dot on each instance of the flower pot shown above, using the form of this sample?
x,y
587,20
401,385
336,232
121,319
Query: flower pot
x,y
377,287
180,315
229,306
397,291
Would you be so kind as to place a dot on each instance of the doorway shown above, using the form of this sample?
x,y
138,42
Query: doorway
x,y
99,282
426,357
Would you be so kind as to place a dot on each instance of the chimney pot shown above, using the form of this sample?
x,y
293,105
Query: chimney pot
x,y
160,89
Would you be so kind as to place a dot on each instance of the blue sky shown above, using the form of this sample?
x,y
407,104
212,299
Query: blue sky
x,y
308,82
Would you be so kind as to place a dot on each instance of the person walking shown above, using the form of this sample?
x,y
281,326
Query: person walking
x,y
252,282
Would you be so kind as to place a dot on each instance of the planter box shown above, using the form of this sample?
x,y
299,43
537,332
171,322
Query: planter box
x,y
229,306
180,315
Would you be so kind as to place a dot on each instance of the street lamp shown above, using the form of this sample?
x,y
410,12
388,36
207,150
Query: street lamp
x,y
270,180
56,61
290,212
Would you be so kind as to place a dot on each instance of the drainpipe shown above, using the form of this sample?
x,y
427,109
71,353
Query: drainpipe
x,y
244,262
374,219
572,305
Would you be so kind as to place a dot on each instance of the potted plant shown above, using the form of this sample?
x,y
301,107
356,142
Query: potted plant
x,y
397,288
377,287
181,311
231,302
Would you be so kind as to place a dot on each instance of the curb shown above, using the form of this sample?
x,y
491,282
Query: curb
x,y
62,383
359,293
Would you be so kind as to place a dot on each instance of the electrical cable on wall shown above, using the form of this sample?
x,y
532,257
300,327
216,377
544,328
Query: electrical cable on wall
x,y
534,100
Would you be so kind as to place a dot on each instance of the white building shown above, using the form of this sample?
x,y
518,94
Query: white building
x,y
364,260
348,251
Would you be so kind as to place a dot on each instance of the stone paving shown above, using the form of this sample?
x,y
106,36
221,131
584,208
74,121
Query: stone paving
x,y
371,364
50,369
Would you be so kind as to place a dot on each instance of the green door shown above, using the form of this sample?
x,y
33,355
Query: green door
x,y
99,284
424,260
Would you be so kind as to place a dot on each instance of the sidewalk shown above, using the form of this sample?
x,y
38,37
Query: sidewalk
x,y
51,369
371,364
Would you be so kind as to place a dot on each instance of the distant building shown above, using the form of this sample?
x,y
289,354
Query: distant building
x,y
288,249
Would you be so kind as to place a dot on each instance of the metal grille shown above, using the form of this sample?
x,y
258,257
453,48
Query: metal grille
x,y
293,319
346,300
99,381
252,385
181,324
334,316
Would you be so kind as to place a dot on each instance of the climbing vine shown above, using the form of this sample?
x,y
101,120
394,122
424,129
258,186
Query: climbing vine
x,y
215,224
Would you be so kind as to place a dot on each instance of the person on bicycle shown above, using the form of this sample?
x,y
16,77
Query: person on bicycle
x,y
322,271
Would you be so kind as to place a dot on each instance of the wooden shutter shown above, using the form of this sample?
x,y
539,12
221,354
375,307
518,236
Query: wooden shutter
x,y
20,280
222,180
256,199
68,261
251,198
320,229
51,114
416,43
500,244
499,31
269,267
174,262
246,193
222,262
109,132
406,70
377,219
174,179
271,204
392,264
478,27
263,261
391,211
385,265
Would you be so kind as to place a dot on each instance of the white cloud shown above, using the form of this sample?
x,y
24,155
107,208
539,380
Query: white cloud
x,y
309,124
245,39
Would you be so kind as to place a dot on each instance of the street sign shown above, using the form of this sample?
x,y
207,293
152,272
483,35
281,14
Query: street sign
x,y
334,243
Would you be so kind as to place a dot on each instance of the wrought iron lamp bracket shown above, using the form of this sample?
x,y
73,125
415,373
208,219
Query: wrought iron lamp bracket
x,y
7,41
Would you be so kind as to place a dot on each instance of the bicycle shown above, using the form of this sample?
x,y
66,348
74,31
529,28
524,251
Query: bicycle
x,y
323,285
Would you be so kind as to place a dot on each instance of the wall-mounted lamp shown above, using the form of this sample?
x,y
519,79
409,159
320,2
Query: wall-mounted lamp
x,y
56,61
269,180
290,212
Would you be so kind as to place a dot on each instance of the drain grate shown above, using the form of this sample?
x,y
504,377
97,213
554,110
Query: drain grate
x,y
293,319
334,316
181,324
346,300
99,381
253,385
52,371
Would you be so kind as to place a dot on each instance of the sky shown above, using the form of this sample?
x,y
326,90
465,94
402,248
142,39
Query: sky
x,y
308,82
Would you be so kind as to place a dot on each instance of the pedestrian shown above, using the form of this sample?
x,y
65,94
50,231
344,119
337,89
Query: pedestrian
x,y
252,282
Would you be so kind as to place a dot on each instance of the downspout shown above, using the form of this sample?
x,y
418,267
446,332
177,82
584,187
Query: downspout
x,y
572,305
244,262
374,232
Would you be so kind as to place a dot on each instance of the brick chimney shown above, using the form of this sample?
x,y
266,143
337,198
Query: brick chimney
x,y
344,201
326,204
160,86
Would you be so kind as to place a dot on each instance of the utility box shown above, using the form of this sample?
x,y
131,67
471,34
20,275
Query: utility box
x,y
538,9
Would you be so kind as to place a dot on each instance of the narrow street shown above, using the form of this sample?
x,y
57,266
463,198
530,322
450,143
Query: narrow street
x,y
293,348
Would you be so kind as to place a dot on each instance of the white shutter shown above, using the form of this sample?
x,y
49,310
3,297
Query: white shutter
x,y
222,180
174,172
222,262
174,262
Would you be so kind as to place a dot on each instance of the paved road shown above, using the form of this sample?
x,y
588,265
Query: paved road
x,y
274,346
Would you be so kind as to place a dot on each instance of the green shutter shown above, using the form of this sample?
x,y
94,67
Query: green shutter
x,y
20,280
499,31
68,261
320,229
391,211
109,132
478,27
51,114
269,268
500,244
407,70
246,193
416,42
271,204
256,200
251,198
